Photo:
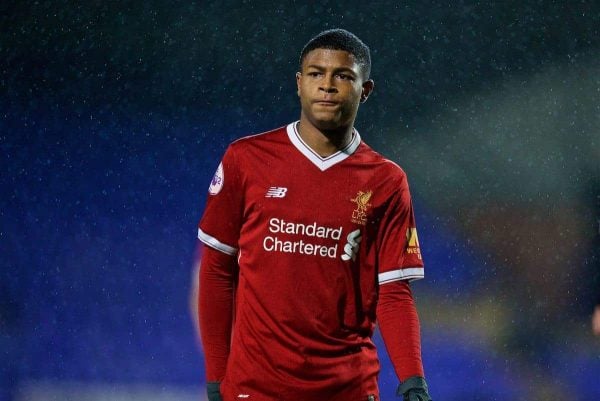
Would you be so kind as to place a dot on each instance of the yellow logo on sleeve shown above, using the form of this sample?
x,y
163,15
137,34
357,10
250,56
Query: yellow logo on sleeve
x,y
412,242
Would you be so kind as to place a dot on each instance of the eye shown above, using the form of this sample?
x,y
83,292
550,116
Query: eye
x,y
314,74
345,77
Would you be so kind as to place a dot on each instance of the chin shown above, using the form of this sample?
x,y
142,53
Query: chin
x,y
328,125
327,122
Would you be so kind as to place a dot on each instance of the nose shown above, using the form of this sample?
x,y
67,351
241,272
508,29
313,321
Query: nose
x,y
329,89
328,85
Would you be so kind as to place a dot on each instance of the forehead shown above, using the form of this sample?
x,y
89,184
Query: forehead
x,y
328,58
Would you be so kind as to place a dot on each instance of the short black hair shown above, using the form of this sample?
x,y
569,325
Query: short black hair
x,y
341,39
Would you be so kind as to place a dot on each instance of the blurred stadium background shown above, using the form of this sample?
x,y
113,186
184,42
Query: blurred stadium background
x,y
113,117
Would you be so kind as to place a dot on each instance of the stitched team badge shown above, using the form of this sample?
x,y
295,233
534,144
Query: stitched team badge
x,y
359,215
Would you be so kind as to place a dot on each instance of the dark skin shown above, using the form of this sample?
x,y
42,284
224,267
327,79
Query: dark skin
x,y
331,86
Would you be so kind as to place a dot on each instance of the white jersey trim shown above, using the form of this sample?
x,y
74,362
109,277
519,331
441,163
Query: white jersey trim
x,y
323,163
409,273
216,244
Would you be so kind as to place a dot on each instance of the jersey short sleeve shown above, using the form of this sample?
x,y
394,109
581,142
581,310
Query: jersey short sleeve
x,y
220,224
399,252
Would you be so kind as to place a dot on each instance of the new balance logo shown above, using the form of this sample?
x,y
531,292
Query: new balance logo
x,y
276,192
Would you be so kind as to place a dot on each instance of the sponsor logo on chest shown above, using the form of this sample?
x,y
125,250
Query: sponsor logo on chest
x,y
302,238
315,238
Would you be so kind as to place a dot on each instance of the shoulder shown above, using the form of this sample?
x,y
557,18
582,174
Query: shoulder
x,y
268,138
383,165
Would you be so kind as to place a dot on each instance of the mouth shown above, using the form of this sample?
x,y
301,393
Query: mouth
x,y
325,103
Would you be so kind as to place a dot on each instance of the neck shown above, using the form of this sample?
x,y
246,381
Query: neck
x,y
324,142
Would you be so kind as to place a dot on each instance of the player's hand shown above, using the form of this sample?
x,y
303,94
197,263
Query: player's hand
x,y
414,389
213,390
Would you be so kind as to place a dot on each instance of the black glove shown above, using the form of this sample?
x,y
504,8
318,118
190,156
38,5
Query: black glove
x,y
414,389
213,391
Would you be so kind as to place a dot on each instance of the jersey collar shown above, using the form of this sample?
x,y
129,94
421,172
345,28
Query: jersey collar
x,y
323,163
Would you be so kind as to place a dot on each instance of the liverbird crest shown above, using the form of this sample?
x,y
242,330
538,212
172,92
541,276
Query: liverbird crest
x,y
359,215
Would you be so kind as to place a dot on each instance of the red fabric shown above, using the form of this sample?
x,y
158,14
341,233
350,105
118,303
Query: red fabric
x,y
399,326
314,239
215,309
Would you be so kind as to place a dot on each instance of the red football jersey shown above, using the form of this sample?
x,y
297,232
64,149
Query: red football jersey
x,y
314,238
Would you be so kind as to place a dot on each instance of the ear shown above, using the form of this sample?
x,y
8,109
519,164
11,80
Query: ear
x,y
367,88
298,79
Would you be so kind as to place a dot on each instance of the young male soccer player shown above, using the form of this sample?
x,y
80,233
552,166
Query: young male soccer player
x,y
311,240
